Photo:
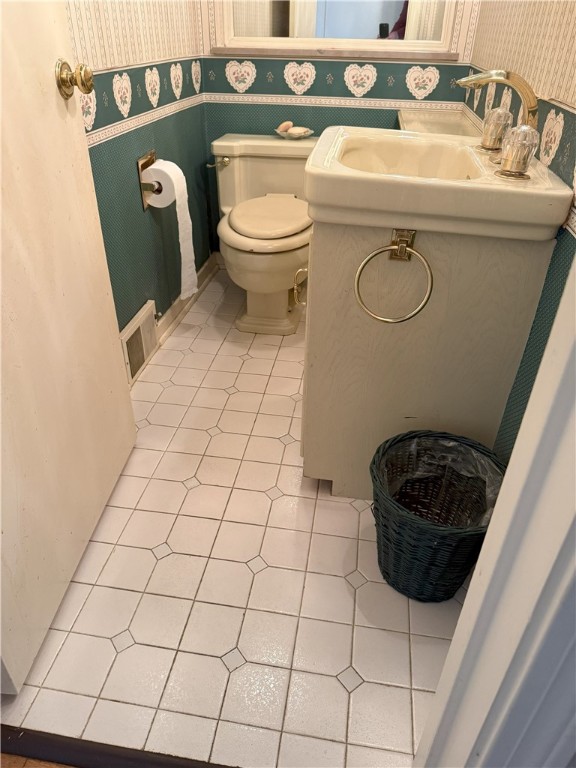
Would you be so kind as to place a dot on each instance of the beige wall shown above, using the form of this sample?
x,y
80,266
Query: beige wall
x,y
108,34
535,38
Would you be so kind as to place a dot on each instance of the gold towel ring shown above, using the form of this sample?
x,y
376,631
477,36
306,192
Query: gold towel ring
x,y
394,249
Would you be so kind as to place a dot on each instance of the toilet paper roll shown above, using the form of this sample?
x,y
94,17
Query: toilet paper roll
x,y
173,182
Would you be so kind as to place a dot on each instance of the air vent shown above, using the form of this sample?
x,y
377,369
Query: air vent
x,y
139,340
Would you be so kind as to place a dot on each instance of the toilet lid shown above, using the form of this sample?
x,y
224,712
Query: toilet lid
x,y
270,217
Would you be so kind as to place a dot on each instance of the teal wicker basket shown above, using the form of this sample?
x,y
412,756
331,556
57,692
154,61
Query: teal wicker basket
x,y
430,513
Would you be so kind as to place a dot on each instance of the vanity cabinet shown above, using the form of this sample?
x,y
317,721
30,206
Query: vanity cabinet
x,y
451,367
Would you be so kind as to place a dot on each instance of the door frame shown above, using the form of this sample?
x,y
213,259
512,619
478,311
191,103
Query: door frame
x,y
507,696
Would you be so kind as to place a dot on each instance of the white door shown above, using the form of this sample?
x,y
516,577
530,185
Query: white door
x,y
67,426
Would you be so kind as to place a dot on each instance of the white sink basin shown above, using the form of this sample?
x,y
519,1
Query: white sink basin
x,y
437,183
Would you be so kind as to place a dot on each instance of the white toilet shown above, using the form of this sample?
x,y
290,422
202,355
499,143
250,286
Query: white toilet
x,y
265,229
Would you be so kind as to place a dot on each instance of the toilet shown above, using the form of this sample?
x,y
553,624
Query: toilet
x,y
265,229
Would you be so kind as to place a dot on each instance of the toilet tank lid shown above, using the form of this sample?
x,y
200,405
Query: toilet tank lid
x,y
239,144
270,217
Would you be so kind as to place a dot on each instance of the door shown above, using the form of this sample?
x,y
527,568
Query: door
x,y
67,426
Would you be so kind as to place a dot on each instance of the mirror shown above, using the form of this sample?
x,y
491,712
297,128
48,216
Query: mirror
x,y
385,20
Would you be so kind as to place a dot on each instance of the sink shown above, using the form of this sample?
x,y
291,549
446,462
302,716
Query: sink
x,y
434,182
451,121
403,154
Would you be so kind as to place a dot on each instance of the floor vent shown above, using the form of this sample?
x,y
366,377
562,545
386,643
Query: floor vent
x,y
139,340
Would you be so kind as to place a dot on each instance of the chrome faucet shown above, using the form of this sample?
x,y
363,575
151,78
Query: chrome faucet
x,y
527,95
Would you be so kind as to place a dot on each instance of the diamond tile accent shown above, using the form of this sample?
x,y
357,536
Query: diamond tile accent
x,y
123,640
191,483
234,659
231,390
162,550
297,397
287,439
245,357
356,579
142,423
274,493
214,431
257,564
350,679
360,505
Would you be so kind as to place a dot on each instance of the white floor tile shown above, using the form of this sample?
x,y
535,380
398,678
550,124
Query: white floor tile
x,y
292,482
219,380
93,561
71,606
106,612
200,419
181,735
212,629
127,491
317,706
63,713
128,568
256,476
303,752
160,620
226,363
328,597
143,390
267,449
260,367
292,455
206,501
364,757
15,708
193,535
334,555
111,524
226,583
277,590
336,519
279,385
177,576
154,437
237,422
82,665
251,382
167,357
166,414
163,496
189,441
177,466
147,529
234,348
271,426
277,405
210,398
45,657
196,685
244,745
368,561
256,695
428,657
123,725
292,512
434,619
227,445
381,656
288,369
248,507
422,702
138,675
291,354
268,638
380,716
216,471
322,647
380,606
285,549
178,395
238,541
197,359
296,428
247,402
142,461
205,346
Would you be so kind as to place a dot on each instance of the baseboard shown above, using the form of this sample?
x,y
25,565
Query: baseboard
x,y
174,315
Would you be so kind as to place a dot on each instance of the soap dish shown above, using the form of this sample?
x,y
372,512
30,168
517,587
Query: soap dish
x,y
285,135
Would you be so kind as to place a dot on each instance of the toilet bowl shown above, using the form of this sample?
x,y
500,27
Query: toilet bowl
x,y
265,229
264,241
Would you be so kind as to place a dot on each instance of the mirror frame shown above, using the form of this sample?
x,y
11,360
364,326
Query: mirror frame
x,y
458,30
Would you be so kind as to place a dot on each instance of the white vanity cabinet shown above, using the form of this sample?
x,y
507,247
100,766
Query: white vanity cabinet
x,y
451,367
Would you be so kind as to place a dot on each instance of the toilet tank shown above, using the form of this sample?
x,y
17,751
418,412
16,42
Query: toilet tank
x,y
258,166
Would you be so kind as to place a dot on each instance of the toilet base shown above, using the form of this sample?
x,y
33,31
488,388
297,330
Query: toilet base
x,y
270,313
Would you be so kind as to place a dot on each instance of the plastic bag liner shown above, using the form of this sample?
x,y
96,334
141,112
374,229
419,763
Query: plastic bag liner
x,y
443,481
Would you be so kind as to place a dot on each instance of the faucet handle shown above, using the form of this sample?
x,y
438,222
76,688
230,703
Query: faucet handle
x,y
496,123
518,149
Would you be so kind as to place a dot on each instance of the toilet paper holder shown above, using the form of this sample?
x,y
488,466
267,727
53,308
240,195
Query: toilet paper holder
x,y
146,186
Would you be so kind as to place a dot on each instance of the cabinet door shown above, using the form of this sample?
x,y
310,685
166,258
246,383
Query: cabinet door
x,y
67,426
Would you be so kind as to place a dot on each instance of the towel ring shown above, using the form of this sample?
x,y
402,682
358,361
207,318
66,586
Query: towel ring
x,y
397,251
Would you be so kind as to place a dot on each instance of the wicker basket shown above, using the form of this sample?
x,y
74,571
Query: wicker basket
x,y
427,537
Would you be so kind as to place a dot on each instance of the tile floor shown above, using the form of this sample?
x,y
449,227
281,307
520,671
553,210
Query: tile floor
x,y
228,608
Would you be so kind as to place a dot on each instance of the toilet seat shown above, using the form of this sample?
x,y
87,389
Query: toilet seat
x,y
270,217
266,217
